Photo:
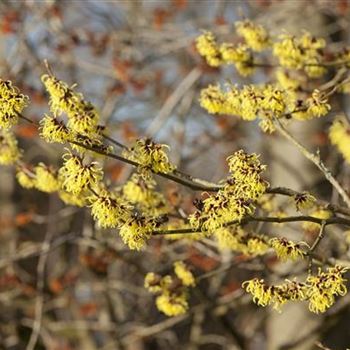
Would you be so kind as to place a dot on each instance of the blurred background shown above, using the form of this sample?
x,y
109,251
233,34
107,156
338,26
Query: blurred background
x,y
136,61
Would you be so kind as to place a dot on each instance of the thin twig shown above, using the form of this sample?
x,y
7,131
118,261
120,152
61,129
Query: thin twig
x,y
39,301
314,158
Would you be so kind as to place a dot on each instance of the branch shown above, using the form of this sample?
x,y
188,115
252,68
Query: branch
x,y
274,219
314,158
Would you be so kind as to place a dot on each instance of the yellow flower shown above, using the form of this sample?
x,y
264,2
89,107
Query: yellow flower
x,y
255,35
46,179
84,119
12,104
62,97
184,274
286,249
213,99
235,54
339,135
250,100
303,52
323,287
77,176
172,304
304,200
273,100
153,282
256,245
82,115
150,155
234,201
317,104
136,231
52,130
208,48
9,151
25,178
107,210
261,293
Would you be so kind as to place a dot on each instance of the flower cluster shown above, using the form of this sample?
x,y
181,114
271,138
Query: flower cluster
x,y
42,177
225,53
12,104
238,240
108,210
77,176
150,155
303,52
184,274
275,295
53,130
137,229
319,290
256,36
287,249
339,135
173,290
236,198
323,287
9,151
248,103
46,178
82,115
265,102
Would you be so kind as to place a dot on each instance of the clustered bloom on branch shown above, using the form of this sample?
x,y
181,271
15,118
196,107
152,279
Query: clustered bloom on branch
x,y
323,287
137,229
12,103
53,130
173,290
235,200
256,36
109,210
226,53
265,102
78,176
82,115
286,249
137,208
150,155
303,52
275,295
46,178
319,290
